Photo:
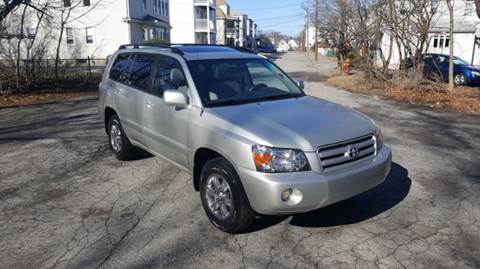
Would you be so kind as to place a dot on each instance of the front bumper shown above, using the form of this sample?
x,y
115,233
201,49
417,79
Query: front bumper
x,y
316,190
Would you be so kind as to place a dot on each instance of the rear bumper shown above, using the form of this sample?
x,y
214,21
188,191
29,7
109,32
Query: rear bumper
x,y
312,190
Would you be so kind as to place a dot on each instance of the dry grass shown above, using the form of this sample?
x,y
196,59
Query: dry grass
x,y
462,99
20,99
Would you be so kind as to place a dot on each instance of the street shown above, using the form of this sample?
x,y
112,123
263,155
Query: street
x,y
66,202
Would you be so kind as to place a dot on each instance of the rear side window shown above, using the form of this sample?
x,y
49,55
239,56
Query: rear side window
x,y
140,71
121,68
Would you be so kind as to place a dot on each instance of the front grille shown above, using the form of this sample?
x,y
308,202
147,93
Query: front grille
x,y
346,152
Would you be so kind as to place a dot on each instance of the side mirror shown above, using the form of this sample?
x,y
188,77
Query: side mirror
x,y
300,84
175,98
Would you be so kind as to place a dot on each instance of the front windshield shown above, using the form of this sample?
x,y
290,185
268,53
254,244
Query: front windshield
x,y
459,61
238,81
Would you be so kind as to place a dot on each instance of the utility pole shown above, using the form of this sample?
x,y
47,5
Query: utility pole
x,y
316,29
307,42
451,83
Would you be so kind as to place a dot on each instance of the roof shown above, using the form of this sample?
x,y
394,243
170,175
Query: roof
x,y
220,14
458,27
192,52
151,20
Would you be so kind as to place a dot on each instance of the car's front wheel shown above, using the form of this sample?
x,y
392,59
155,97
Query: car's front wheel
x,y
118,140
223,197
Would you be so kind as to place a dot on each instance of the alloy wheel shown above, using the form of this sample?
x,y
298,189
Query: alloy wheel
x,y
116,137
219,196
459,79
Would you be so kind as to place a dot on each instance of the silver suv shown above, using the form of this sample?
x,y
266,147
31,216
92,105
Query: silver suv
x,y
253,141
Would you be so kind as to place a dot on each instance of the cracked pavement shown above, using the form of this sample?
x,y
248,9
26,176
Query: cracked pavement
x,y
65,202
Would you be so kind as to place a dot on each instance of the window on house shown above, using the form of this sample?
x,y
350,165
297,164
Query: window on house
x,y
69,35
447,41
435,42
163,8
468,7
86,3
89,35
159,9
440,42
67,3
144,4
155,7
166,8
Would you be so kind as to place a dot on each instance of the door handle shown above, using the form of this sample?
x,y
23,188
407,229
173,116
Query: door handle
x,y
149,103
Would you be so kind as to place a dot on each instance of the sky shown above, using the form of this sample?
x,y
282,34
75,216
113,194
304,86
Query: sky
x,y
285,16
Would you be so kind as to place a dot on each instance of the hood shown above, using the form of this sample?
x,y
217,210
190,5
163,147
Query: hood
x,y
301,123
472,68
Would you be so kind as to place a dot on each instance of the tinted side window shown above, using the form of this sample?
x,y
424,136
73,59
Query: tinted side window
x,y
140,71
169,76
120,68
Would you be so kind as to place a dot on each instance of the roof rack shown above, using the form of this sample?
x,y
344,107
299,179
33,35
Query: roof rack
x,y
175,48
160,46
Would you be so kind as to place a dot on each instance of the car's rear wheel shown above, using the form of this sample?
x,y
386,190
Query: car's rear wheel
x,y
118,140
223,197
460,79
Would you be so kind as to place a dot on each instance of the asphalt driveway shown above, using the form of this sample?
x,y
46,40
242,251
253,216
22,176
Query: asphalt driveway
x,y
65,202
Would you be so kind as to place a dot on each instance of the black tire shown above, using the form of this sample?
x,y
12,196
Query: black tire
x,y
125,150
460,80
241,215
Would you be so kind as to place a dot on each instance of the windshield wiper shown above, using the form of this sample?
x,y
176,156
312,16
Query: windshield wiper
x,y
230,102
279,97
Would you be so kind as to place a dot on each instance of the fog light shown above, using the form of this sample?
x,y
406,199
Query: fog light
x,y
287,194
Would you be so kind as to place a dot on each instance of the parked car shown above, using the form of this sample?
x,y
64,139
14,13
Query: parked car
x,y
246,50
266,50
436,66
252,140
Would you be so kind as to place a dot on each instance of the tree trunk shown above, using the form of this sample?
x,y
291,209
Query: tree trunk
x,y
451,84
316,29
19,46
8,7
477,7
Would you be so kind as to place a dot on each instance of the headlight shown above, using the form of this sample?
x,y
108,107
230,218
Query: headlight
x,y
378,139
475,73
273,160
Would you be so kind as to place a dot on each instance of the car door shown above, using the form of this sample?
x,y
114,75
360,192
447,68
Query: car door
x,y
130,97
428,65
440,69
166,127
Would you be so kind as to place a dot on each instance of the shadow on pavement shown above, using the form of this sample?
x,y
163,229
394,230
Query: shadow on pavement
x,y
308,76
354,210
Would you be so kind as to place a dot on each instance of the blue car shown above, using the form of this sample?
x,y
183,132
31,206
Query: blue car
x,y
436,66
267,49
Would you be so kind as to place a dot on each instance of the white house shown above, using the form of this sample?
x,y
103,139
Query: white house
x,y
96,28
247,30
310,36
466,30
193,21
228,26
466,33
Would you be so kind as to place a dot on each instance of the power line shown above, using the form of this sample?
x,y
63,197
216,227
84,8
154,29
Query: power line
x,y
279,17
270,8
280,22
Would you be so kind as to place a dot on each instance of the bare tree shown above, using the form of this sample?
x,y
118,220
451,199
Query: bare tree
x,y
477,7
67,15
8,6
451,83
